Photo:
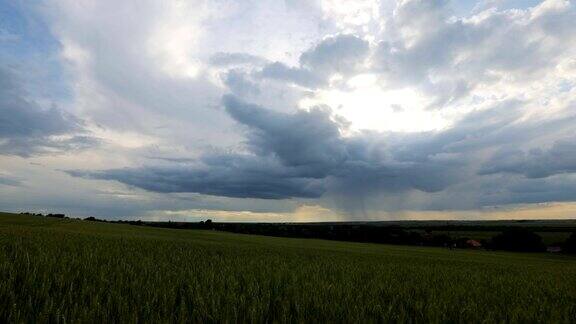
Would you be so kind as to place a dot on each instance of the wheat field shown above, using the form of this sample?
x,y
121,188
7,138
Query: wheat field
x,y
72,271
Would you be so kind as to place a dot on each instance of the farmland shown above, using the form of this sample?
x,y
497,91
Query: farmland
x,y
65,270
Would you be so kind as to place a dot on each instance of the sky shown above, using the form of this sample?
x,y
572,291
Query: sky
x,y
293,110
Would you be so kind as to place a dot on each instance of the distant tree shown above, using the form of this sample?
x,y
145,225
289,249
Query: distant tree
x,y
208,223
91,218
570,245
56,215
518,239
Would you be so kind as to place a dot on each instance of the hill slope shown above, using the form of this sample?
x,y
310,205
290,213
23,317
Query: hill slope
x,y
70,271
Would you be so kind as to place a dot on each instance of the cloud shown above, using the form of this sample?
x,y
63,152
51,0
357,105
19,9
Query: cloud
x,y
313,143
309,140
426,46
297,155
6,180
338,54
234,176
22,117
343,54
137,69
238,82
280,163
560,158
299,76
222,59
27,129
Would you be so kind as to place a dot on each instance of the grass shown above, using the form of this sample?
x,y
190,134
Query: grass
x,y
72,271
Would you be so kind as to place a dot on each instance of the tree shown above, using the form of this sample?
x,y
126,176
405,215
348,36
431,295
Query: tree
x,y
208,224
570,245
518,239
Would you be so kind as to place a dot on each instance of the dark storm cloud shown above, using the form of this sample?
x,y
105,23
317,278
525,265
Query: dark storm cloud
x,y
295,155
235,176
27,129
503,189
536,163
309,140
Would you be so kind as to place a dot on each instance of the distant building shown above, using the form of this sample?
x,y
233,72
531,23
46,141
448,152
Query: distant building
x,y
473,244
554,249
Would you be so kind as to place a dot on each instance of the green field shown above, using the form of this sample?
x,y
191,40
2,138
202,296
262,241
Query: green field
x,y
72,271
